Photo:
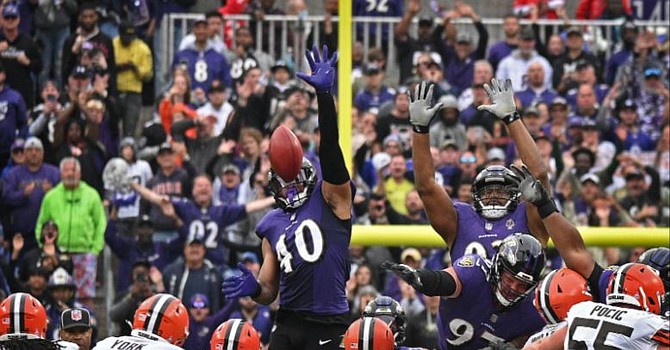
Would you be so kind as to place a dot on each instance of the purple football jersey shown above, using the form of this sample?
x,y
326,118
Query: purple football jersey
x,y
478,235
312,246
471,321
207,225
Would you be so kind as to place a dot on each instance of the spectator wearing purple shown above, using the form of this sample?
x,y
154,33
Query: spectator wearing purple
x,y
17,157
504,48
258,315
24,189
362,8
587,105
13,122
628,130
203,63
19,53
459,58
585,74
139,247
629,33
537,90
652,101
202,322
374,94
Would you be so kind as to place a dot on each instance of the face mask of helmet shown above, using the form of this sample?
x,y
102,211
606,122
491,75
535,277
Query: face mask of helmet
x,y
516,268
291,195
495,192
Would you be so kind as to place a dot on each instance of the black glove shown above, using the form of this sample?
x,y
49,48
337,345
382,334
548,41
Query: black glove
x,y
408,274
532,189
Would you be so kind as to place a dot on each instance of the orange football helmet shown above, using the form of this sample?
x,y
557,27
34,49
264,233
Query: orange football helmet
x,y
235,334
558,292
638,285
22,316
163,315
369,333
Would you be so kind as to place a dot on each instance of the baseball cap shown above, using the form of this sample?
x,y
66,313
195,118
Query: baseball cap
x,y
199,301
426,21
200,20
589,124
372,69
33,142
495,153
410,253
230,168
531,111
626,104
216,86
18,143
573,30
449,101
194,239
145,220
527,33
11,9
634,175
590,177
559,101
392,138
381,160
165,147
75,318
279,65
463,38
629,25
249,256
127,29
449,143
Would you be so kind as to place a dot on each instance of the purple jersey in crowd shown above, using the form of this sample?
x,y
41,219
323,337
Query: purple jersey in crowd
x,y
207,225
471,321
478,235
312,246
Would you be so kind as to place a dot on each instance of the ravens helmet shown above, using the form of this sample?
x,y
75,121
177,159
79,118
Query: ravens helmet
x,y
291,195
495,192
389,311
516,268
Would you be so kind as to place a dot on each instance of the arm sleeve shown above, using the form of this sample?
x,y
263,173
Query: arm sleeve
x,y
38,124
333,167
12,193
480,52
436,283
593,280
21,118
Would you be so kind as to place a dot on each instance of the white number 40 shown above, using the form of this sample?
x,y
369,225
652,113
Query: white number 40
x,y
307,227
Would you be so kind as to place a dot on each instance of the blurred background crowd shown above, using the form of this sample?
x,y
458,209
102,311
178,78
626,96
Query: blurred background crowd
x,y
81,82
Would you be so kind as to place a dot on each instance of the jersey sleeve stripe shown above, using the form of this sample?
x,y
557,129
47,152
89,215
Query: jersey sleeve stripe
x,y
662,337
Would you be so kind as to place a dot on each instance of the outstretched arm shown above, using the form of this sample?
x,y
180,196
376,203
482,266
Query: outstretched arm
x,y
439,207
503,107
335,188
262,290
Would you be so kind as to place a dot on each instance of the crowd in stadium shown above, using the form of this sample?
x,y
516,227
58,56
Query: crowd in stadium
x,y
440,133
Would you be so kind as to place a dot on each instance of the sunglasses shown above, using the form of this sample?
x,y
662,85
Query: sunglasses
x,y
468,159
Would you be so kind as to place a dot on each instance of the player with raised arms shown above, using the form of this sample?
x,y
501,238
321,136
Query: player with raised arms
x,y
306,240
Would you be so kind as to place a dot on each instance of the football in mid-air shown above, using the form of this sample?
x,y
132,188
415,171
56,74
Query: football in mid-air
x,y
285,153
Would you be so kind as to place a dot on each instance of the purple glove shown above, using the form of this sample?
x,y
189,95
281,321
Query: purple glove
x,y
240,286
124,199
323,70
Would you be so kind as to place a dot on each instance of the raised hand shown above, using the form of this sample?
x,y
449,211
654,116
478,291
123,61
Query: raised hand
x,y
533,191
322,67
405,272
502,96
240,286
421,109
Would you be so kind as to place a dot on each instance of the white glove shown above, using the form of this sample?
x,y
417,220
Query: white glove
x,y
420,110
502,96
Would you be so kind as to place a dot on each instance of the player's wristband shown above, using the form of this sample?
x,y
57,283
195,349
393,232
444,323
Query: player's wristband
x,y
421,129
510,118
257,292
547,208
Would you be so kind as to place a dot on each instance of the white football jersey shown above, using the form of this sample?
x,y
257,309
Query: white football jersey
x,y
134,342
599,326
545,332
66,345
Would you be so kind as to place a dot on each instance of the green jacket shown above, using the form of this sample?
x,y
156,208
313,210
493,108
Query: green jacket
x,y
79,215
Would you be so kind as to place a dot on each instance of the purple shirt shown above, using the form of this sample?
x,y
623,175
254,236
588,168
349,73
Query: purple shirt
x,y
498,51
262,322
528,97
26,209
312,247
204,67
477,235
471,320
207,225
12,118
